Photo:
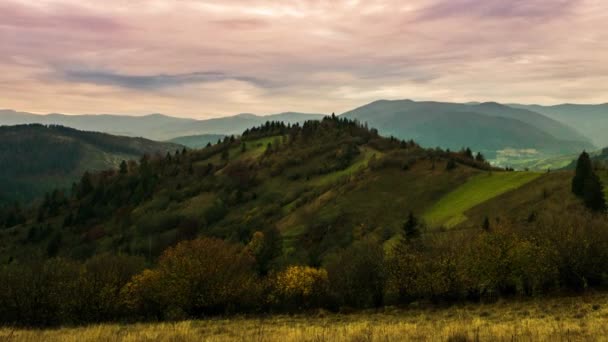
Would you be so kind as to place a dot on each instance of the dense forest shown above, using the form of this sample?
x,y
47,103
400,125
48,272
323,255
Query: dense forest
x,y
289,218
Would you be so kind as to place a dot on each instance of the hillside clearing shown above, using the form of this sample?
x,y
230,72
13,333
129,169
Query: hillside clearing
x,y
449,210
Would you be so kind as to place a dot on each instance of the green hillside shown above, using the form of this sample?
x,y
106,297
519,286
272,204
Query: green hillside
x,y
301,180
36,158
290,218
450,210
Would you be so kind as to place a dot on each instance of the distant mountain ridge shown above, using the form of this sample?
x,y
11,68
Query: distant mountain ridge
x,y
154,126
486,127
589,119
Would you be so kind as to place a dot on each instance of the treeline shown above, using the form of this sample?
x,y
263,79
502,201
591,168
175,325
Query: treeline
x,y
208,276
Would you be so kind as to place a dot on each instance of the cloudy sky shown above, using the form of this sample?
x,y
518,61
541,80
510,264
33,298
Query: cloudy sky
x,y
211,58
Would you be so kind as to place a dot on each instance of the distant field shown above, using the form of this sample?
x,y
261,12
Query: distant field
x,y
560,319
449,210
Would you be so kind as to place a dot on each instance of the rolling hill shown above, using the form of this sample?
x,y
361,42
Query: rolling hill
x,y
154,126
485,127
37,158
329,207
322,185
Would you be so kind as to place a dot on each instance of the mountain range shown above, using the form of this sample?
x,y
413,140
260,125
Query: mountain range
x,y
590,119
154,126
507,134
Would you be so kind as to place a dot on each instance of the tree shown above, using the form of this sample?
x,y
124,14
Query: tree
x,y
451,165
123,167
201,276
357,275
299,287
593,193
86,185
468,153
410,227
587,185
486,224
264,247
583,171
480,158
225,154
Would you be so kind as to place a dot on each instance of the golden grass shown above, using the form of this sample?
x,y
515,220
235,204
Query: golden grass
x,y
560,319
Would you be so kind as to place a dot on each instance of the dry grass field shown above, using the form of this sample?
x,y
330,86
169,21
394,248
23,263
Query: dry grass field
x,y
583,318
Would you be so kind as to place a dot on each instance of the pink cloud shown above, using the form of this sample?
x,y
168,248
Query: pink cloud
x,y
317,55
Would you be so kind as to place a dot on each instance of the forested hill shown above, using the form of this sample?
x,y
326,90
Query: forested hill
x,y
37,158
273,176
327,214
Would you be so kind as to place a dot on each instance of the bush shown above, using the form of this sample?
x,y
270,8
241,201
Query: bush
x,y
356,275
299,287
203,276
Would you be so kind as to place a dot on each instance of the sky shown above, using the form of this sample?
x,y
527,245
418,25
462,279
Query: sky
x,y
204,59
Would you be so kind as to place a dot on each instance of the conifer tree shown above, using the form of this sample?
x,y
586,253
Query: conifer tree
x,y
583,171
123,167
410,227
593,193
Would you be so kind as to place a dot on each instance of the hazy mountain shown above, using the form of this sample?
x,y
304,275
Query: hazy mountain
x,y
153,126
591,120
37,158
486,127
197,141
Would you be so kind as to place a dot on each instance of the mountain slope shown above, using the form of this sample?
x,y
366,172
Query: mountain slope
x,y
322,186
591,120
154,126
484,127
37,158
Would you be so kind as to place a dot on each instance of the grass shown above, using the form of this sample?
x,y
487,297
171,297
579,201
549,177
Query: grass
x,y
450,210
557,319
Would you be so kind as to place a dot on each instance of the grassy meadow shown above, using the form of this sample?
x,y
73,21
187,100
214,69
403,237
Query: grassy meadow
x,y
557,319
449,210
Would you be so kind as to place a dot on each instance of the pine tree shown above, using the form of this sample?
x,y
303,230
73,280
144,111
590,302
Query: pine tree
x,y
123,167
593,193
451,165
410,227
486,224
583,171
468,153
480,158
86,185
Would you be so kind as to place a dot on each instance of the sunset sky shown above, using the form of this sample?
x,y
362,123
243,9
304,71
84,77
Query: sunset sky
x,y
213,58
